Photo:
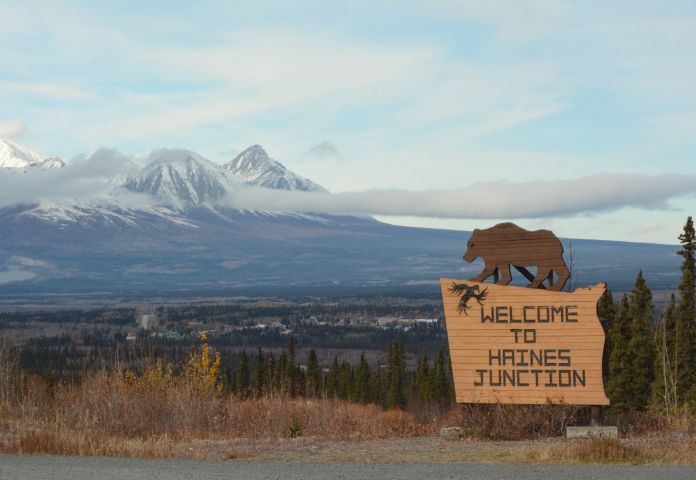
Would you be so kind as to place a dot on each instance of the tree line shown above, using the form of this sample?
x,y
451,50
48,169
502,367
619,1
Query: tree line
x,y
389,384
651,363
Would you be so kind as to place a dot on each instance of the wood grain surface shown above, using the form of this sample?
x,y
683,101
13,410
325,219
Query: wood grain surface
x,y
524,345
507,245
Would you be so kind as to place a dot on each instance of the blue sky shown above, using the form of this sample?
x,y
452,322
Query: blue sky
x,y
419,96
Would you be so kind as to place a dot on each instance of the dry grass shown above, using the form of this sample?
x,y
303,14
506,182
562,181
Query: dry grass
x,y
158,414
514,422
592,450
109,415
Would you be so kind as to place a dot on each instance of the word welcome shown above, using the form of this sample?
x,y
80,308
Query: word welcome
x,y
530,314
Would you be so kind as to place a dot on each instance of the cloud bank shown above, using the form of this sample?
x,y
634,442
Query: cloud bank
x,y
99,179
495,200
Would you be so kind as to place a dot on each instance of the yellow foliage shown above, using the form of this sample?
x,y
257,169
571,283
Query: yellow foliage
x,y
155,378
203,370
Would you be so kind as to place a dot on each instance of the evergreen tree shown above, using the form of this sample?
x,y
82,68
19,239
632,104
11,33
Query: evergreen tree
x,y
345,381
332,379
641,344
686,315
395,394
291,370
632,359
618,386
314,383
281,374
242,380
259,374
363,386
606,310
423,381
271,373
440,386
377,386
665,385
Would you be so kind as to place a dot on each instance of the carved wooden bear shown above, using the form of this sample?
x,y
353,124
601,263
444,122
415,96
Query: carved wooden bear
x,y
507,244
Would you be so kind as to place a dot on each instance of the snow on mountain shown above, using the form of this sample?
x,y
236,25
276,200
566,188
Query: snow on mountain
x,y
13,155
114,189
255,167
53,161
180,177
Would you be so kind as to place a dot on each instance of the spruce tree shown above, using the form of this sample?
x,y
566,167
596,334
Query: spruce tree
x,y
291,369
441,386
620,363
332,378
242,380
395,394
314,382
344,381
281,374
423,381
271,373
363,387
641,344
686,316
378,386
606,310
259,374
665,385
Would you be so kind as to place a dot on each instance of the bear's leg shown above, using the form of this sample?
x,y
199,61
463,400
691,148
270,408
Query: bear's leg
x,y
563,276
543,272
506,276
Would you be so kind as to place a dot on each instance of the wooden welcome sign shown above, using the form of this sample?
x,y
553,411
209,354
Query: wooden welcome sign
x,y
523,345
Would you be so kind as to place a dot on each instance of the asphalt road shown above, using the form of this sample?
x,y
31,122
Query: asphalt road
x,y
79,468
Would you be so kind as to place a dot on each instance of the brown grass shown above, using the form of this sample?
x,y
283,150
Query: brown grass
x,y
105,414
592,450
158,414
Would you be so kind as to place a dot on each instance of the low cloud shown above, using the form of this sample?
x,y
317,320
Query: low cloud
x,y
99,177
323,150
12,129
495,200
83,180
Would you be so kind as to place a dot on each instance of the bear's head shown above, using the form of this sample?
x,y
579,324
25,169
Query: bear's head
x,y
472,247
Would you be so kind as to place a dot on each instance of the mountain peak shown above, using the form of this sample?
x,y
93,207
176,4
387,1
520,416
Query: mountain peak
x,y
180,177
54,161
14,155
255,167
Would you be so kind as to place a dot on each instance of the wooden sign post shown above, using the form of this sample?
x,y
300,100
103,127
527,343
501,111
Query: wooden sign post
x,y
518,344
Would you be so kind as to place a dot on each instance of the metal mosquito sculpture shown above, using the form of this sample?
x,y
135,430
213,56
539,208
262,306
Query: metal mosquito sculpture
x,y
467,292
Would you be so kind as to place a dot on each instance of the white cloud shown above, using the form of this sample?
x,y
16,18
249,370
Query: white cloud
x,y
323,151
494,200
12,129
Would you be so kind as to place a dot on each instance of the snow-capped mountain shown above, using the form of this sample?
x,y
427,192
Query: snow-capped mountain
x,y
111,224
255,167
13,155
181,178
53,161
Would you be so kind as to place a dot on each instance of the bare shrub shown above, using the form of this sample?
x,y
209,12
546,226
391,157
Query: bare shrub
x,y
598,450
515,422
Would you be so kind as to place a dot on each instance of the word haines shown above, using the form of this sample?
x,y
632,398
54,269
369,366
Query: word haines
x,y
527,346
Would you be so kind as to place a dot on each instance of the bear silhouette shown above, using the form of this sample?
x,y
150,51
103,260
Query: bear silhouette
x,y
506,244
